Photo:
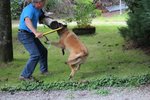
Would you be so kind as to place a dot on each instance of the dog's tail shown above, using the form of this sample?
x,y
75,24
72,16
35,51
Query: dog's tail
x,y
79,59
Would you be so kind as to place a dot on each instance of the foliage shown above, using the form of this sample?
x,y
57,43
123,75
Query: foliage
x,y
15,9
138,29
102,92
52,4
60,8
83,13
90,85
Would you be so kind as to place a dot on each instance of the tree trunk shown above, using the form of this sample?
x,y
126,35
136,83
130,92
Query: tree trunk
x,y
6,48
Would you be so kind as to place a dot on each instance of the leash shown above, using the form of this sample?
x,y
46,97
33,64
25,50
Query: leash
x,y
52,31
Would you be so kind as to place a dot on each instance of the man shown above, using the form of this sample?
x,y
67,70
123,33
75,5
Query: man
x,y
28,36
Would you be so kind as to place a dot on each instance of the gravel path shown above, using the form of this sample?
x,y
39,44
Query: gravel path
x,y
139,93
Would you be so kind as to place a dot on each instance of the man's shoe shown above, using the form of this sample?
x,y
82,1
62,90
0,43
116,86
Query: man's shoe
x,y
45,73
31,78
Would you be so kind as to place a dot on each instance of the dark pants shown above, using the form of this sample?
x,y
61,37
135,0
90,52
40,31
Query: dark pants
x,y
38,53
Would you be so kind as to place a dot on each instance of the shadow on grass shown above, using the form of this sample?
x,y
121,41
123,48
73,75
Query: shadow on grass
x,y
93,73
20,60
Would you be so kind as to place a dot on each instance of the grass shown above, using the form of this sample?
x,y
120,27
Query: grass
x,y
114,17
106,58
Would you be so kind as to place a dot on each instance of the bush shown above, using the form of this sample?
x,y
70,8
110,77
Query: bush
x,y
15,9
83,13
60,8
138,29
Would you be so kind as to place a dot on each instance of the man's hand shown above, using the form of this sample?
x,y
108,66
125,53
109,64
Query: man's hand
x,y
38,35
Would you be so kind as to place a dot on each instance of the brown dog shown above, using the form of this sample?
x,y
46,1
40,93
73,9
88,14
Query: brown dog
x,y
78,51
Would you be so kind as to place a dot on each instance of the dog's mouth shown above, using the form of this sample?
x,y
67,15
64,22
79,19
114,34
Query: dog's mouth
x,y
62,30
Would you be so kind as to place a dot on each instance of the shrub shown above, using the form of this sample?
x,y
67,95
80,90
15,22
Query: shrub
x,y
15,9
60,8
83,13
138,29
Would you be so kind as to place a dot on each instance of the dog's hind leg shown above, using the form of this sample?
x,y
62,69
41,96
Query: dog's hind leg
x,y
72,67
82,60
78,67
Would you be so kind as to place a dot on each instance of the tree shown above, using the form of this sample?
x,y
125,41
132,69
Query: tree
x,y
60,8
6,47
138,29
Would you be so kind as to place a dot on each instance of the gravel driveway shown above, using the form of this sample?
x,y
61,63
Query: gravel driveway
x,y
138,93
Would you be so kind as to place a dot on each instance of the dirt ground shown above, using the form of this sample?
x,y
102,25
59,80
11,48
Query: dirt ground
x,y
105,93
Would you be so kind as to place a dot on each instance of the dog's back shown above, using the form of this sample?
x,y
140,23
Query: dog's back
x,y
78,51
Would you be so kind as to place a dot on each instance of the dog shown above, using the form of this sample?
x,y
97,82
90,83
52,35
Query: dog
x,y
68,40
78,51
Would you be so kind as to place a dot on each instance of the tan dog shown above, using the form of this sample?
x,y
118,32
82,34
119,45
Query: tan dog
x,y
78,51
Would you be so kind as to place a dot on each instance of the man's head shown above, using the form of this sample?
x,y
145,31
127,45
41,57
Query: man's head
x,y
39,3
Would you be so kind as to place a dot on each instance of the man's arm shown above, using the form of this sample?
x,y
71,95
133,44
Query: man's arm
x,y
30,26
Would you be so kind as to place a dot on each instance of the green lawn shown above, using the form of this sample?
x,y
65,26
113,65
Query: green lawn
x,y
106,58
113,17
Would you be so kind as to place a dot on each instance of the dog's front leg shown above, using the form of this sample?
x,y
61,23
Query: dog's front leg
x,y
58,44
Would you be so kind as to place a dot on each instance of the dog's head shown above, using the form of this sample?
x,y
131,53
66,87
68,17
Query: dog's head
x,y
62,30
55,25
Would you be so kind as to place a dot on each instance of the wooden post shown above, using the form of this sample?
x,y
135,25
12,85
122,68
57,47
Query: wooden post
x,y
120,7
